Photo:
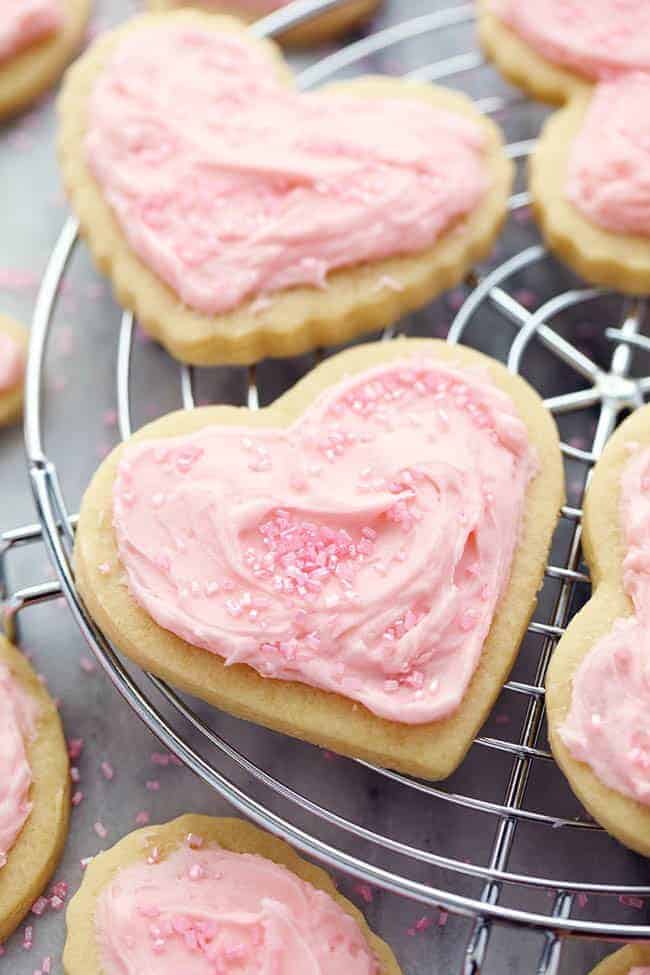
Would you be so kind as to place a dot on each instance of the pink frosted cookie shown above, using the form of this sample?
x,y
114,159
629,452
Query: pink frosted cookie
x,y
34,788
201,895
253,220
631,960
37,39
323,28
13,355
598,691
590,171
354,565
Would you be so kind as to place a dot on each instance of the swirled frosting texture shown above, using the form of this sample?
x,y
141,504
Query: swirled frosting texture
x,y
228,184
608,725
24,22
12,362
609,165
18,714
210,911
363,550
596,38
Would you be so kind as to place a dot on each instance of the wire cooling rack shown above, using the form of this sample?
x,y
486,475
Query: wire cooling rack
x,y
465,845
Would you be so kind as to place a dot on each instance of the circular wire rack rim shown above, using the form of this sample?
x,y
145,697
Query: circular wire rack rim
x,y
57,529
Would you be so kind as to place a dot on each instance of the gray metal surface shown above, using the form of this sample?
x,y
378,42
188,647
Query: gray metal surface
x,y
504,832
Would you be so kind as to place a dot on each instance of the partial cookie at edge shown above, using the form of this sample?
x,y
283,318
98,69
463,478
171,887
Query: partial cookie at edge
x,y
521,64
27,75
619,261
604,545
34,856
623,960
80,955
11,400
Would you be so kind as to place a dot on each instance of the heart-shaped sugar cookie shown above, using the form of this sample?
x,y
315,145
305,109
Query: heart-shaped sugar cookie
x,y
354,565
589,173
40,755
598,684
37,40
239,218
630,960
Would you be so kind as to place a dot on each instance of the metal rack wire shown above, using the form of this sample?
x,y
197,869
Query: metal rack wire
x,y
481,891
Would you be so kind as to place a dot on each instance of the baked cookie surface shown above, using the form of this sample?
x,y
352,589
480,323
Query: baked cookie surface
x,y
27,74
432,749
625,961
590,170
212,326
33,857
13,354
323,28
588,197
625,817
81,955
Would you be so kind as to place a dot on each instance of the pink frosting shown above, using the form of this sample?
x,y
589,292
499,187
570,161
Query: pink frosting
x,y
362,550
18,714
12,362
645,970
609,167
229,184
213,912
596,38
608,725
24,22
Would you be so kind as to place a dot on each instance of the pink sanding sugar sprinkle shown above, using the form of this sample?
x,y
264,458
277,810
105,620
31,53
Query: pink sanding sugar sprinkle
x,y
142,818
75,747
39,906
160,758
153,785
423,923
107,771
100,829
87,665
77,798
365,892
59,889
28,937
628,900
